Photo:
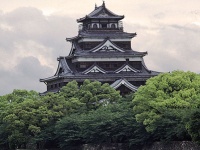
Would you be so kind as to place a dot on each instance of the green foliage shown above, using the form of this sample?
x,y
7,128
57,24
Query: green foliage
x,y
163,103
167,107
112,123
89,96
27,118
193,125
19,112
68,131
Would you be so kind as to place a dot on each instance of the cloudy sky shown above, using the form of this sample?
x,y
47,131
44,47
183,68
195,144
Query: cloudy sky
x,y
33,32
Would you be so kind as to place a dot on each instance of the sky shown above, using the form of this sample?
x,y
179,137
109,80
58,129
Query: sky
x,y
33,33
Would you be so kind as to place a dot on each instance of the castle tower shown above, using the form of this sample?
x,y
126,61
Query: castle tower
x,y
101,51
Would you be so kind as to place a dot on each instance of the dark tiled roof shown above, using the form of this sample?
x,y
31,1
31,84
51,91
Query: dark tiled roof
x,y
130,54
78,52
53,91
106,33
74,74
101,12
64,65
102,35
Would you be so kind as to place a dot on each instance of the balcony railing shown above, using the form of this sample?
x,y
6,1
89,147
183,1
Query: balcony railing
x,y
100,28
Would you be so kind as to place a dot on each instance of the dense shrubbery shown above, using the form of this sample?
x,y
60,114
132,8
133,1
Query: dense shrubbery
x,y
166,108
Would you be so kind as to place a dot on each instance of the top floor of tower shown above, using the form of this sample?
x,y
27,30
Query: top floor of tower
x,y
101,18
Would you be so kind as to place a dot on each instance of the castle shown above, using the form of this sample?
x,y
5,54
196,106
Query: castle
x,y
101,51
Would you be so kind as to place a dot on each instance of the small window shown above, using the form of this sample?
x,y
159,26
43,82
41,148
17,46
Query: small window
x,y
113,26
104,25
95,26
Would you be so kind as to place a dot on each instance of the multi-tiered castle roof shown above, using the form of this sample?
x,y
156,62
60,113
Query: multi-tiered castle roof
x,y
101,51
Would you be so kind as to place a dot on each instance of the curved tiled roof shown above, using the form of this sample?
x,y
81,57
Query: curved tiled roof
x,y
64,65
110,34
102,35
101,12
129,54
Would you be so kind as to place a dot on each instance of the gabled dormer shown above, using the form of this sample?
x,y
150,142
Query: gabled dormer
x,y
94,69
127,68
107,46
101,18
63,67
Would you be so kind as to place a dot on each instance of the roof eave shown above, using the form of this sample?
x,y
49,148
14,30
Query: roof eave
x,y
86,18
49,79
72,38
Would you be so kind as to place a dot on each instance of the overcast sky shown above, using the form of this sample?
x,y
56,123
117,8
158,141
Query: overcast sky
x,y
33,33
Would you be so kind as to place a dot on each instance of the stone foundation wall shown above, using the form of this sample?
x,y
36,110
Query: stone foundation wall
x,y
105,147
185,145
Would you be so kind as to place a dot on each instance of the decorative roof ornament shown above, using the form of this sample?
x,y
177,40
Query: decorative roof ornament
x,y
96,6
103,3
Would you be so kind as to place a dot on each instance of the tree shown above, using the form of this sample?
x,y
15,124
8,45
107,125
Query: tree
x,y
111,123
18,115
28,118
52,107
162,104
193,125
89,96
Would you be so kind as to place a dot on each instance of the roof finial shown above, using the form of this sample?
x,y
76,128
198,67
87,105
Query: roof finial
x,y
95,6
103,3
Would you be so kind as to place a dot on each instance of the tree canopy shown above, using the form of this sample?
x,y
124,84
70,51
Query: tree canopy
x,y
165,102
27,117
166,108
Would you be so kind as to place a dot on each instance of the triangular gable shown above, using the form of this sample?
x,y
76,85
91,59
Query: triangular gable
x,y
124,82
126,68
105,13
94,69
63,67
107,46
